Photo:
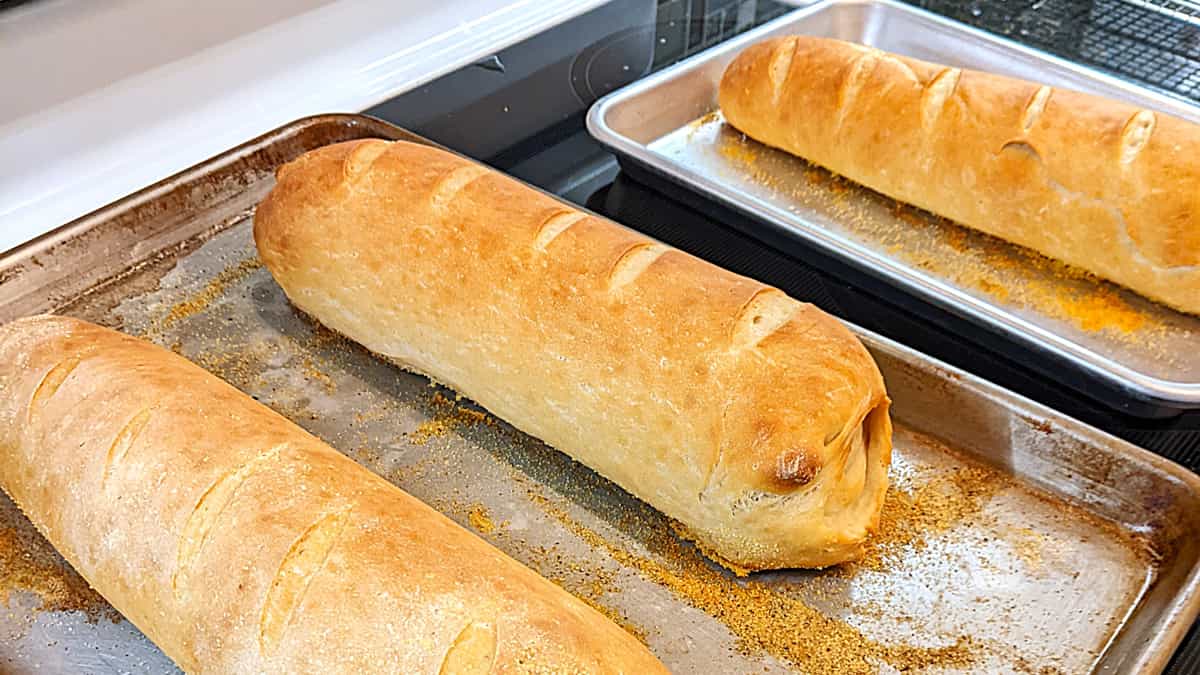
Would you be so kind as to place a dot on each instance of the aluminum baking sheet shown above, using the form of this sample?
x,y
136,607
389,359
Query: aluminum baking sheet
x,y
669,124
1014,539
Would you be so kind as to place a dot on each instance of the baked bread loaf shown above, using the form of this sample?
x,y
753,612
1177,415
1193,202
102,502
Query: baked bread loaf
x,y
1105,186
758,422
239,543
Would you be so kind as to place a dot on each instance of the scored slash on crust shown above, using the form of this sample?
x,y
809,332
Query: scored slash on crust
x,y
50,383
933,100
781,67
633,262
453,183
767,311
1033,110
123,441
900,65
303,561
860,71
1136,134
473,651
362,157
208,510
555,225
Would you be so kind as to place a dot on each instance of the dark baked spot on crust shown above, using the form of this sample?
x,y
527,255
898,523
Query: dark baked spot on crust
x,y
796,467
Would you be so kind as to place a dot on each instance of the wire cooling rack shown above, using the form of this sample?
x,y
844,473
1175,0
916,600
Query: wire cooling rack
x,y
1153,42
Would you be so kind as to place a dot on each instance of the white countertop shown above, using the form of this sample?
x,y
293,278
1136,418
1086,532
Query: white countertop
x,y
99,99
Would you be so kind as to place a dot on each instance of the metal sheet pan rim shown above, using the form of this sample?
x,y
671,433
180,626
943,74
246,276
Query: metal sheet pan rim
x,y
71,228
1173,394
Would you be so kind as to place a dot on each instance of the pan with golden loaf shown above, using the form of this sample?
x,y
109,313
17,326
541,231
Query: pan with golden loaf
x,y
239,543
1105,186
759,423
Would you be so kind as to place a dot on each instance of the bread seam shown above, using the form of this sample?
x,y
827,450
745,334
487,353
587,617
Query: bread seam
x,y
719,456
1119,221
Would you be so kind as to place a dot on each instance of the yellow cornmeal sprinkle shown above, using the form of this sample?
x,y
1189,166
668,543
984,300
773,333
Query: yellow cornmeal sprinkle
x,y
683,532
588,582
435,428
763,621
480,519
213,290
592,592
695,125
908,518
613,615
315,374
447,418
28,563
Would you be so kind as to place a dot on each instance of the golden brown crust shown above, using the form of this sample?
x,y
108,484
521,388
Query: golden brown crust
x,y
715,398
1099,184
241,544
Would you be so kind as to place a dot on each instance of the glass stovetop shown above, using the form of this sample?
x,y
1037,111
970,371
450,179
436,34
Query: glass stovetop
x,y
522,111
